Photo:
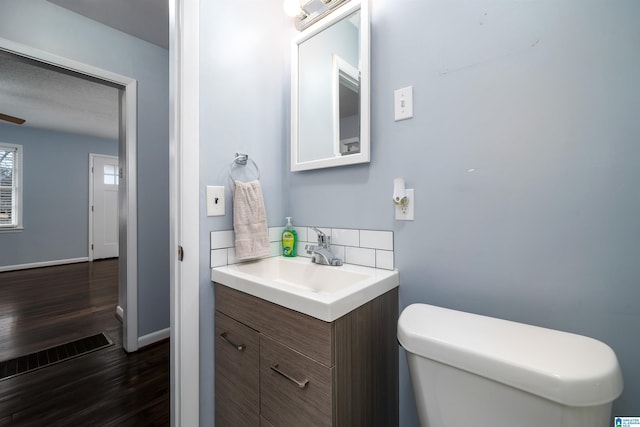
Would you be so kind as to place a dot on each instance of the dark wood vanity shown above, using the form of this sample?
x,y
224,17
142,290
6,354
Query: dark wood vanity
x,y
278,367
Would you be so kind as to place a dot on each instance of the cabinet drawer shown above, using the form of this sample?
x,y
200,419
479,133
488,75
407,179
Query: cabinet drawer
x,y
237,380
304,398
306,334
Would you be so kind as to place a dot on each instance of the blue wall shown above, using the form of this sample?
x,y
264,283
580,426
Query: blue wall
x,y
244,68
522,152
45,26
55,175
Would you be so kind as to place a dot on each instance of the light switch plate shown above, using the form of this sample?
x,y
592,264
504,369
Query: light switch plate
x,y
215,200
403,103
405,213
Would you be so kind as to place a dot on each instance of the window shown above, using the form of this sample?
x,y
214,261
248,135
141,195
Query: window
x,y
111,176
10,186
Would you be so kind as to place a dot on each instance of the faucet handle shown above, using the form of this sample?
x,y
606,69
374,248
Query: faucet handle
x,y
323,239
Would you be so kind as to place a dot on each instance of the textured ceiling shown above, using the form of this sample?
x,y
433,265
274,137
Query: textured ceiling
x,y
51,99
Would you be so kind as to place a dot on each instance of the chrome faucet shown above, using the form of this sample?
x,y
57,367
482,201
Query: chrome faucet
x,y
321,253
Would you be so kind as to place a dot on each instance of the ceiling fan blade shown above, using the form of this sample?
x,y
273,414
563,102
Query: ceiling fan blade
x,y
11,119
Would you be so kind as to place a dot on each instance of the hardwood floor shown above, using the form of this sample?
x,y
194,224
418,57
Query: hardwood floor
x,y
45,307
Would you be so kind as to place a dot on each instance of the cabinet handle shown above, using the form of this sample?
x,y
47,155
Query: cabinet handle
x,y
301,384
239,347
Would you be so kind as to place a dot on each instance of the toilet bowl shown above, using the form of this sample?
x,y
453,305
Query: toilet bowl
x,y
472,370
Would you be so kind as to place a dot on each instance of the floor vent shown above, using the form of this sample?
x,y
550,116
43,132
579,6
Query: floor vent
x,y
40,359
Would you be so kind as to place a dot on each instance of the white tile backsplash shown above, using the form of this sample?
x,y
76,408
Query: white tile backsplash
x,y
360,256
275,249
362,247
219,257
222,239
231,256
384,259
376,239
345,237
302,233
275,234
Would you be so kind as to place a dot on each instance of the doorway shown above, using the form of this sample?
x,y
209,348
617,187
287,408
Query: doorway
x,y
127,194
104,178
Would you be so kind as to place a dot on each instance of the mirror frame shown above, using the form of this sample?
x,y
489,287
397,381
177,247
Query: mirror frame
x,y
364,155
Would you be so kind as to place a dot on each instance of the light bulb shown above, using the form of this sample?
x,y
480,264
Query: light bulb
x,y
291,7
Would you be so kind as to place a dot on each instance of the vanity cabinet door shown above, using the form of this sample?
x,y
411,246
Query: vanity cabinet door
x,y
237,380
295,390
265,423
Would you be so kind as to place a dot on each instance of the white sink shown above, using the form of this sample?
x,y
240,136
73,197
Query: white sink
x,y
320,291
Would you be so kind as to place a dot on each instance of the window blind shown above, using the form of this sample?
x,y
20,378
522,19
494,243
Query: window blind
x,y
8,186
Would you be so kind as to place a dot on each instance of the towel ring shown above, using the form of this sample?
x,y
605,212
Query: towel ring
x,y
241,159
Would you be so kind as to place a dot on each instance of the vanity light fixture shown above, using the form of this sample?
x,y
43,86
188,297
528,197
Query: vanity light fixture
x,y
306,12
332,3
292,8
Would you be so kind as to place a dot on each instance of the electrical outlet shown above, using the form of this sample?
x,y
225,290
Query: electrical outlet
x,y
405,213
403,103
215,200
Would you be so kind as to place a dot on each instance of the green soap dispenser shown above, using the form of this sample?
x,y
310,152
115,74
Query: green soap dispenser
x,y
289,240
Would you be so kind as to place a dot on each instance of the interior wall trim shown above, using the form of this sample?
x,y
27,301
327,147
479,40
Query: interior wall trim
x,y
127,153
120,313
153,337
42,264
184,212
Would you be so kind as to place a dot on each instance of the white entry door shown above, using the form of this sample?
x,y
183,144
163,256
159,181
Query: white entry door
x,y
103,211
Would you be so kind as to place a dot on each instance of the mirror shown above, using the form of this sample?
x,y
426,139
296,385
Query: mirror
x,y
330,91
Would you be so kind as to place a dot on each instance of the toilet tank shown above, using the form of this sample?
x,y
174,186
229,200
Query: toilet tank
x,y
545,371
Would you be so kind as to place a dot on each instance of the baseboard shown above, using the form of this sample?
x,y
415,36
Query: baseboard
x,y
148,339
153,337
120,314
42,264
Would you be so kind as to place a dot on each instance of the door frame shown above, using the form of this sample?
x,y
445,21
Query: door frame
x,y
90,210
128,225
184,183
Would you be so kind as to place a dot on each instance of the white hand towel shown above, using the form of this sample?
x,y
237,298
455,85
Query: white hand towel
x,y
250,221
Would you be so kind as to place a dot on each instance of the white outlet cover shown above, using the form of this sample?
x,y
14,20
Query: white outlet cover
x,y
405,213
215,200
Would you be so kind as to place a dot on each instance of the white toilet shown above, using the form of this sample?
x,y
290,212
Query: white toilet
x,y
471,370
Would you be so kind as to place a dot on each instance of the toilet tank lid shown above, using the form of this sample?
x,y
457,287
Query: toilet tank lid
x,y
566,368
